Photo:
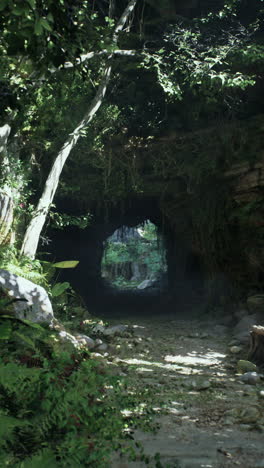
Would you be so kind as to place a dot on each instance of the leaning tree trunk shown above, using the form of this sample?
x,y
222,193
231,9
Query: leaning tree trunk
x,y
6,202
256,352
31,239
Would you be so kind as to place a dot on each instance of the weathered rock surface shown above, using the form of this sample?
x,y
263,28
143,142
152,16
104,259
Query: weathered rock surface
x,y
251,378
246,366
110,331
86,340
235,349
66,337
242,329
37,306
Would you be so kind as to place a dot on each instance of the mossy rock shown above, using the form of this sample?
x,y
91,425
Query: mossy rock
x,y
246,366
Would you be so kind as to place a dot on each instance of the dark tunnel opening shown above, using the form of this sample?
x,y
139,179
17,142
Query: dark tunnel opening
x,y
181,273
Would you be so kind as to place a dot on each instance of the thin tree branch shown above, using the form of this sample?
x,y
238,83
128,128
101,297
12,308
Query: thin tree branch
x,y
85,57
31,239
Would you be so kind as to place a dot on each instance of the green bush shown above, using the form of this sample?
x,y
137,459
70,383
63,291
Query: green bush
x,y
58,408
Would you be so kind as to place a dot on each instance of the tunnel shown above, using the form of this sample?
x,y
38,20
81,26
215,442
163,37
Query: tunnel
x,y
184,277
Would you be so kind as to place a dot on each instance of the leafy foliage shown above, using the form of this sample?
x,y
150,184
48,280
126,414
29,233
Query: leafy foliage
x,y
59,407
22,266
143,251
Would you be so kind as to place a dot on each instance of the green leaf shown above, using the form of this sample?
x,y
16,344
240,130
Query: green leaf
x,y
32,3
8,423
66,264
50,18
59,288
32,324
25,338
45,459
45,24
38,28
5,330
19,11
3,4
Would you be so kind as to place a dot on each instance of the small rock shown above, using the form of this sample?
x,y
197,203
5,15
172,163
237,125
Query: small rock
x,y
232,413
114,330
261,393
89,342
68,338
235,349
245,427
98,342
246,366
249,415
198,384
97,356
98,328
251,378
102,347
228,422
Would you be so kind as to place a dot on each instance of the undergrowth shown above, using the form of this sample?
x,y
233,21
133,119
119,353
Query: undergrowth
x,y
60,407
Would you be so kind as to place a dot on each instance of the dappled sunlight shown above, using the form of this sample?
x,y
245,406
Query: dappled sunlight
x,y
161,365
209,358
192,362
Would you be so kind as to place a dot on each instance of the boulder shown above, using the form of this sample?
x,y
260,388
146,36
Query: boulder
x,y
246,366
251,378
68,338
86,340
242,329
35,306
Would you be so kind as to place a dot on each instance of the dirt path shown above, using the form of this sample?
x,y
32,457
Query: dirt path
x,y
212,419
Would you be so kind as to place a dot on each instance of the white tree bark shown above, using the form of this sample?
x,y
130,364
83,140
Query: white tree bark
x,y
6,202
31,239
4,134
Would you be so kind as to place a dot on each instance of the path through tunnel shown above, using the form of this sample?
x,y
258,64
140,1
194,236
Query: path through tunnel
x,y
182,276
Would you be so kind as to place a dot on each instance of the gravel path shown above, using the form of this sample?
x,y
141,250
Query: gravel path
x,y
211,418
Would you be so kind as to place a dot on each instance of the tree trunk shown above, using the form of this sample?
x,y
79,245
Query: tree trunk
x,y
31,239
6,202
256,352
6,218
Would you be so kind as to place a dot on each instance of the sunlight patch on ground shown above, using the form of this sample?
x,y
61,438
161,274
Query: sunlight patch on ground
x,y
183,369
149,363
193,358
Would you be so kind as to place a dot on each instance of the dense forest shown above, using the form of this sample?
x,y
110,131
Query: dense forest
x,y
144,115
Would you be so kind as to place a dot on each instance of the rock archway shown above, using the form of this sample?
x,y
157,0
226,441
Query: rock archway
x,y
185,273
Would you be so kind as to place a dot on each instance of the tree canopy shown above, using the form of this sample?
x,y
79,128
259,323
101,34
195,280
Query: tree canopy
x,y
174,69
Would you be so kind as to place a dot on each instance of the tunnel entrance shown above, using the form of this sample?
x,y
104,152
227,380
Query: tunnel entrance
x,y
135,258
171,268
